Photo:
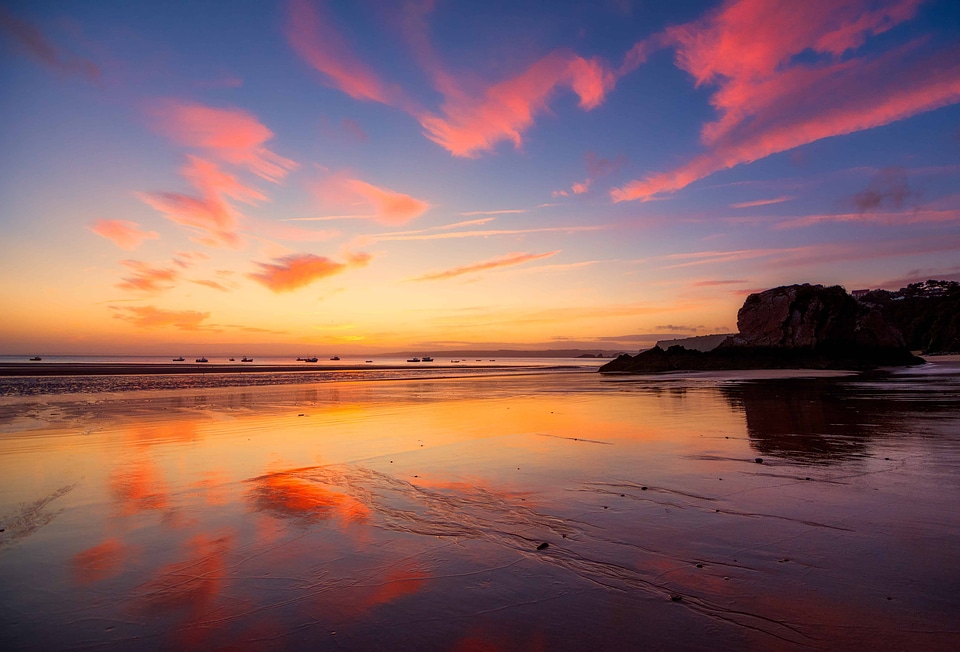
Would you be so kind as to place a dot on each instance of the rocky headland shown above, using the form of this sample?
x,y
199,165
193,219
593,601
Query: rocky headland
x,y
791,327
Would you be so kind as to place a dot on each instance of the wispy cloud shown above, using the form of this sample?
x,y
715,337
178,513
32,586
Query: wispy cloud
x,y
714,283
386,237
153,317
32,42
470,121
370,202
769,100
212,284
313,37
892,218
297,270
208,213
144,278
230,135
507,211
763,202
123,233
507,260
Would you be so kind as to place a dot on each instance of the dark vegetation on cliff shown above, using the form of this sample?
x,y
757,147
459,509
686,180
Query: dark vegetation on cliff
x,y
927,314
791,327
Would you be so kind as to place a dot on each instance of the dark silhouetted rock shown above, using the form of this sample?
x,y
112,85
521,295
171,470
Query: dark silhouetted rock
x,y
792,327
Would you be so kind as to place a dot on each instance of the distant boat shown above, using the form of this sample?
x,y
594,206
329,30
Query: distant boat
x,y
427,358
202,360
368,360
36,358
310,359
233,360
246,359
299,359
336,357
454,361
180,359
413,359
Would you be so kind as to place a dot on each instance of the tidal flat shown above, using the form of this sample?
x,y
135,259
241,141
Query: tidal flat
x,y
562,510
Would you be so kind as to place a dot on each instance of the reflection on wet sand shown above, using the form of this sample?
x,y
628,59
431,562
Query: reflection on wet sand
x,y
490,514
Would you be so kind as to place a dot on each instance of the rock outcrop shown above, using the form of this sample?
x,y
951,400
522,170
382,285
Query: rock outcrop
x,y
792,327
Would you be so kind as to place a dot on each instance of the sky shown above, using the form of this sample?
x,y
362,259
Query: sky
x,y
363,176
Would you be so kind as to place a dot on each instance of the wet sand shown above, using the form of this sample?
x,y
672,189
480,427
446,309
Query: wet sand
x,y
413,514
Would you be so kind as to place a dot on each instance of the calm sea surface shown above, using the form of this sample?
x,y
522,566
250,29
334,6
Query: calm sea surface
x,y
511,509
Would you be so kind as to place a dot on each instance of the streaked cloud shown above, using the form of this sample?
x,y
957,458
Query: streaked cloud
x,y
153,317
482,233
715,283
312,35
887,218
507,260
144,278
370,202
769,101
391,207
469,125
209,213
506,211
123,233
32,42
297,270
212,284
763,202
230,135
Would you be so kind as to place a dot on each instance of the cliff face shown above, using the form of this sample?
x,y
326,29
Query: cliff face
x,y
791,327
810,316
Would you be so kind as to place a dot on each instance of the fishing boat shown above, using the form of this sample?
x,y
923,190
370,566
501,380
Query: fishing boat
x,y
310,359
233,360
427,358
36,358
180,359
336,357
246,359
413,359
201,359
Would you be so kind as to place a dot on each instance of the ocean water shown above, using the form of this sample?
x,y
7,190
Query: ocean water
x,y
557,510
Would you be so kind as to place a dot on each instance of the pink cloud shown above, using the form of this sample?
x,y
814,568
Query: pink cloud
x,y
297,270
210,213
231,135
470,125
153,317
391,207
897,218
581,187
767,102
145,278
376,203
123,233
763,202
493,263
316,41
35,45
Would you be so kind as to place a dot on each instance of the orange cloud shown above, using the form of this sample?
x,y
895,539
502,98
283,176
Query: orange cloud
x,y
145,278
318,43
297,270
501,261
123,233
768,102
152,317
472,125
232,135
33,43
212,284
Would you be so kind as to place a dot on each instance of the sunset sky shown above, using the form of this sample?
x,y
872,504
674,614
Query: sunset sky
x,y
388,176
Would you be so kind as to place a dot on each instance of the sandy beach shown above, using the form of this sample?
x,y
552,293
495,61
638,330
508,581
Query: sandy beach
x,y
550,511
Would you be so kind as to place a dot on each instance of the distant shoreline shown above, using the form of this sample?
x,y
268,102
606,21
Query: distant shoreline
x,y
166,369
